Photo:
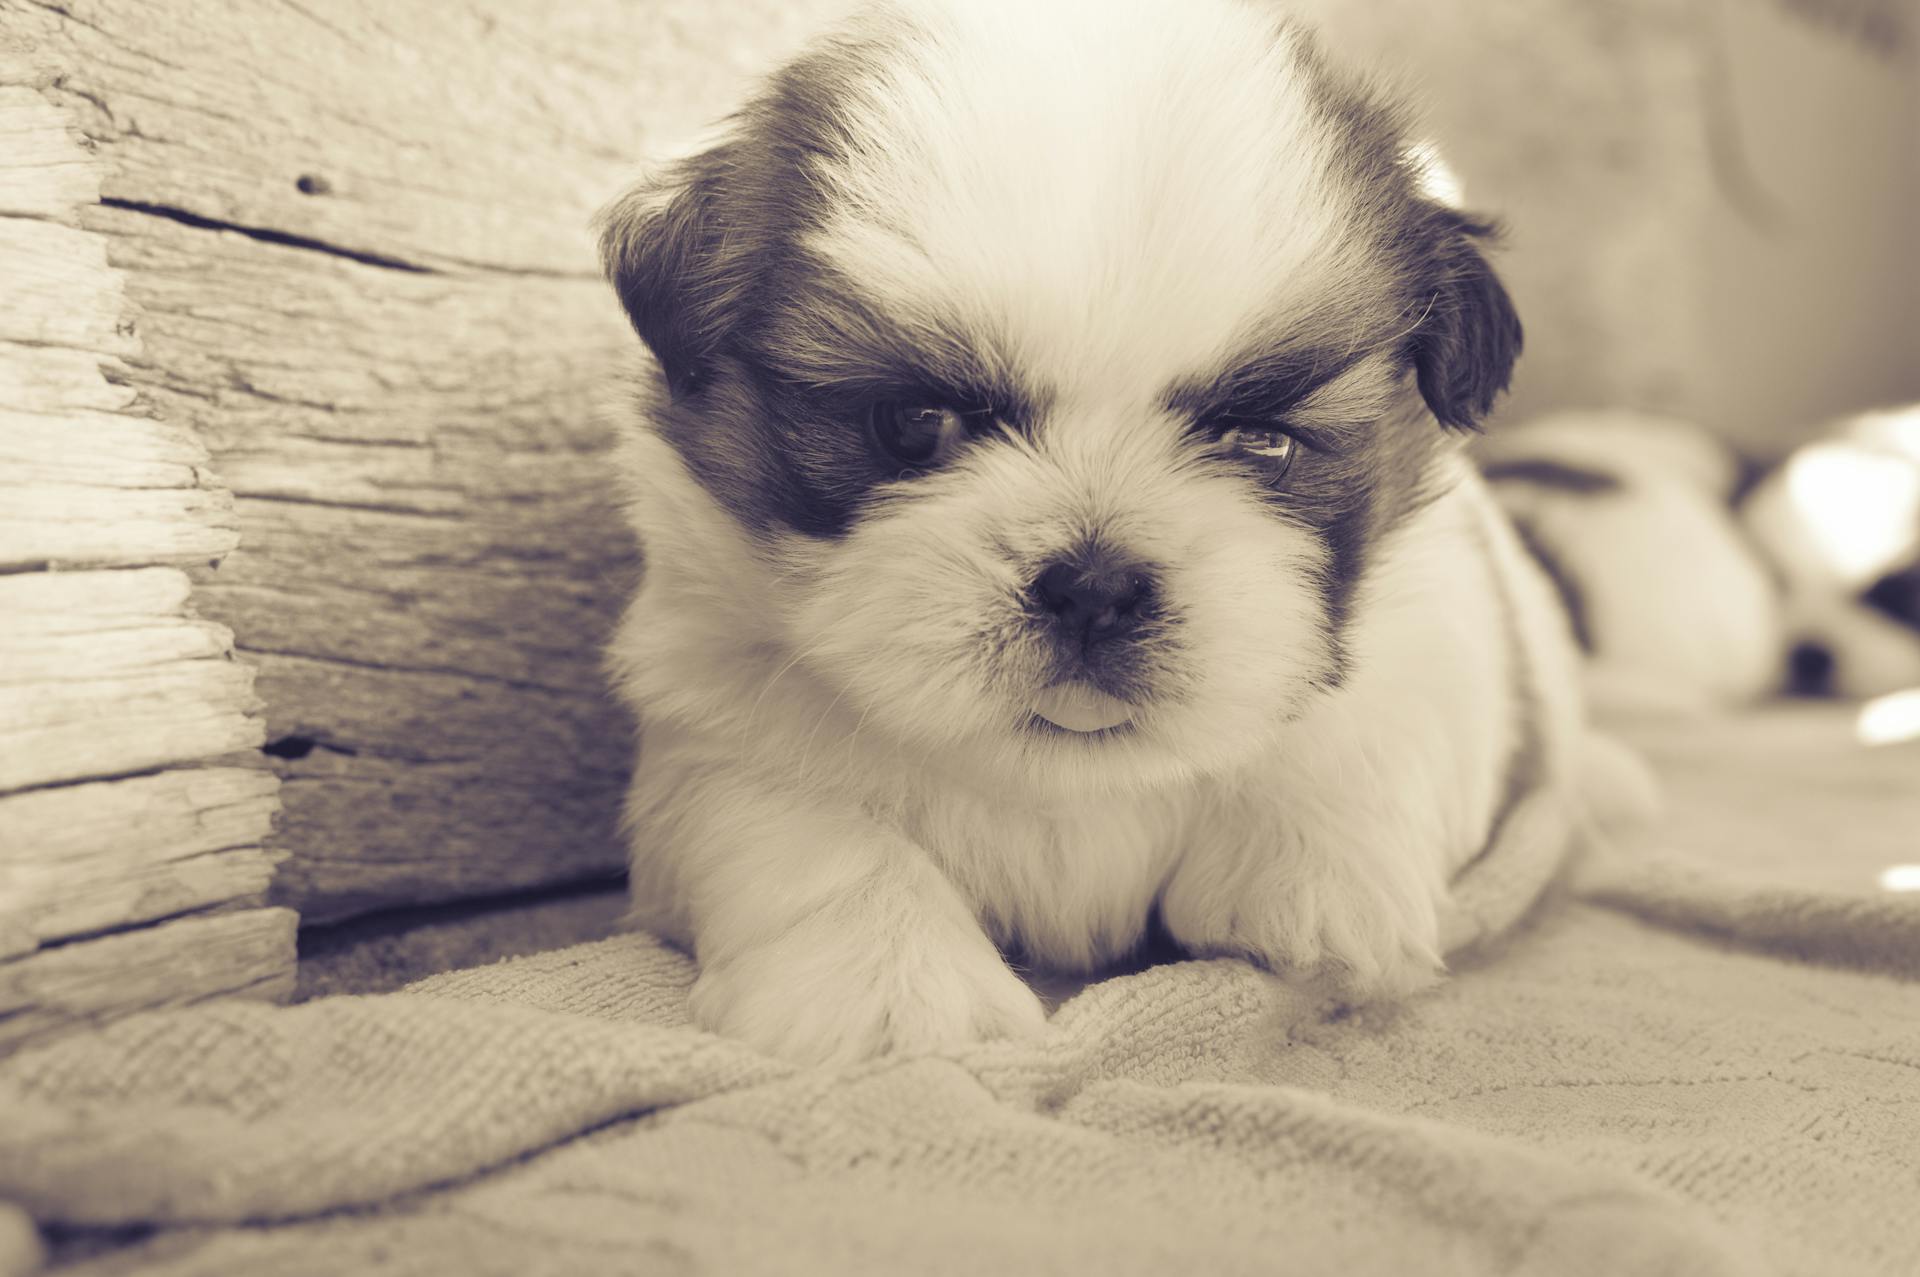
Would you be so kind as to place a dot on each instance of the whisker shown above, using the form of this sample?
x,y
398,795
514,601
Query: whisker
x,y
806,751
754,710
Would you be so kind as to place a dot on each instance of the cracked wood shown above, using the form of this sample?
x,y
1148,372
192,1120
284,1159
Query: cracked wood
x,y
133,870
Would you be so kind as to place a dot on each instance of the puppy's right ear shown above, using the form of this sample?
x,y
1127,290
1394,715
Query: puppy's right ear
x,y
660,245
1469,337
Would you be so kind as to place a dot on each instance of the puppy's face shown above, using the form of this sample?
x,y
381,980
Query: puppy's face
x,y
1066,362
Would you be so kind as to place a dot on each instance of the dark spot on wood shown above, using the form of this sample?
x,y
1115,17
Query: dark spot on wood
x,y
313,184
300,746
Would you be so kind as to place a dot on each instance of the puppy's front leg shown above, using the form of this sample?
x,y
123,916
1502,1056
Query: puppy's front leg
x,y
822,936
1330,894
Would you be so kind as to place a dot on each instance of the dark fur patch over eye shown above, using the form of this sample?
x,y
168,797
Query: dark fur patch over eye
x,y
1346,481
1260,387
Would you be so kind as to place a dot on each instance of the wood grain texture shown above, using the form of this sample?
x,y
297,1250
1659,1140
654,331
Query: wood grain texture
x,y
132,870
78,860
357,240
104,676
191,959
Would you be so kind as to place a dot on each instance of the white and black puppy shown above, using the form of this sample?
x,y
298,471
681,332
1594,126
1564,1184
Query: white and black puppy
x,y
1054,514
1631,516
1839,520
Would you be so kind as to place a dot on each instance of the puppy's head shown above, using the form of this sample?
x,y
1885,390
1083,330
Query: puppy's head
x,y
1068,361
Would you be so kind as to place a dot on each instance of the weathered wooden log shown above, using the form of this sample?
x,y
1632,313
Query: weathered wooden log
x,y
356,265
111,692
307,547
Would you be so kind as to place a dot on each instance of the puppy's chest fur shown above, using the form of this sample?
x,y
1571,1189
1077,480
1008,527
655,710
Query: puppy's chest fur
x,y
1069,885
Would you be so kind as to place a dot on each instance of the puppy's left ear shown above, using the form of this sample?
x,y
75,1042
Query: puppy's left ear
x,y
662,246
1469,337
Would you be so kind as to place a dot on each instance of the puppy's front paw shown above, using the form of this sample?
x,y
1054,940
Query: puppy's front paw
x,y
821,995
1348,923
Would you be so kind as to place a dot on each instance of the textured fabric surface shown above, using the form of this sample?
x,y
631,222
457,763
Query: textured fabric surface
x,y
1703,1057
387,951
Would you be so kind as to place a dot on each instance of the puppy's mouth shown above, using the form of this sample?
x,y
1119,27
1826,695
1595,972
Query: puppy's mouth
x,y
1076,709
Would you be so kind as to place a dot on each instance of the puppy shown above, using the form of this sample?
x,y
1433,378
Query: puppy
x,y
1631,515
1840,522
1055,517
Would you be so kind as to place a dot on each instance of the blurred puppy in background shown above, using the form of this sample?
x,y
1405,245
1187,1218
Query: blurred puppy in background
x,y
1056,517
1840,520
1698,580
1631,516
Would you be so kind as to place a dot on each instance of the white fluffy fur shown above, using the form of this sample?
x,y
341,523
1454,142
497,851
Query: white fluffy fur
x,y
840,806
1010,176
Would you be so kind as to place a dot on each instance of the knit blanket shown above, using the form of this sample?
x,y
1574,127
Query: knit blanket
x,y
1702,1056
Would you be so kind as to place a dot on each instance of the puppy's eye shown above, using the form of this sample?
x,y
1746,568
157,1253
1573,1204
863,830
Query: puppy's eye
x,y
916,434
1270,449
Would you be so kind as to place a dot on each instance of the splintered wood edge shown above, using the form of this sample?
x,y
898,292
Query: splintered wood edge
x,y
132,865
246,953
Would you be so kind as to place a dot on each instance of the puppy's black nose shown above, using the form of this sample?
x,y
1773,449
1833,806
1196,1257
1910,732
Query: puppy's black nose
x,y
1095,600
